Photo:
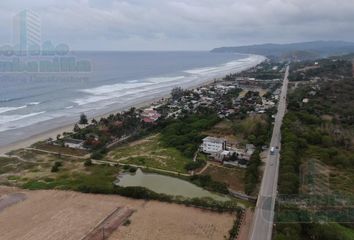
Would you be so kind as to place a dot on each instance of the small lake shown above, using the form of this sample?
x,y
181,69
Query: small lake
x,y
167,185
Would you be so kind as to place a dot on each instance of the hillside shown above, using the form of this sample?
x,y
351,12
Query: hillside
x,y
298,51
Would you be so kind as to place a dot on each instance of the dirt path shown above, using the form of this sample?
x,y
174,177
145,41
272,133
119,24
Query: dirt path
x,y
139,166
203,169
109,224
246,225
57,153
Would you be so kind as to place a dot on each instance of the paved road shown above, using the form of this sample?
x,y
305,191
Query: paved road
x,y
264,213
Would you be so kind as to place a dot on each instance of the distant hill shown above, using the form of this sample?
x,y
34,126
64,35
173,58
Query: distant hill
x,y
300,51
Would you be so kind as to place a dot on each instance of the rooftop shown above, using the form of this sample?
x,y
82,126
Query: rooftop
x,y
214,139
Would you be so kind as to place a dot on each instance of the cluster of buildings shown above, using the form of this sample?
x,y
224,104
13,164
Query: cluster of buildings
x,y
219,150
150,115
221,96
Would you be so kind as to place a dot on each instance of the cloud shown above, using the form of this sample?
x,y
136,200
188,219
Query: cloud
x,y
183,24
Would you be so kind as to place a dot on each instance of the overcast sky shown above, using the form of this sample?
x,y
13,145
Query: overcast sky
x,y
182,24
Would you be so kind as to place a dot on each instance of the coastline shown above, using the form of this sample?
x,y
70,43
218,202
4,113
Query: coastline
x,y
68,127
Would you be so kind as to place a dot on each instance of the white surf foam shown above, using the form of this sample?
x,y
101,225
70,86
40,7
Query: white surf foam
x,y
113,88
33,103
10,122
116,93
9,109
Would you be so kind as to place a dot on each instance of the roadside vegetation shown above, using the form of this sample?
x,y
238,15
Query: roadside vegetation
x,y
317,156
252,174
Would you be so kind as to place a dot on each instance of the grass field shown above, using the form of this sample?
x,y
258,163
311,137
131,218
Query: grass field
x,y
100,176
149,152
33,170
13,165
233,177
342,181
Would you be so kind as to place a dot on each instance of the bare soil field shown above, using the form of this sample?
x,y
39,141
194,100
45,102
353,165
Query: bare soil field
x,y
65,215
233,177
163,221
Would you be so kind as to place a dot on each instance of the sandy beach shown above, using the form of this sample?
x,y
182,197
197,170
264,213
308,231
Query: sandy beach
x,y
59,130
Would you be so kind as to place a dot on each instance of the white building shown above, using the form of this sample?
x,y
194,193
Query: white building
x,y
27,32
213,145
74,143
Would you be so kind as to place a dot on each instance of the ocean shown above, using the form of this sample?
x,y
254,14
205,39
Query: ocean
x,y
99,82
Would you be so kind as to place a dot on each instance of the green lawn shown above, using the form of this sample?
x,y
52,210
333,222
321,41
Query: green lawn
x,y
149,152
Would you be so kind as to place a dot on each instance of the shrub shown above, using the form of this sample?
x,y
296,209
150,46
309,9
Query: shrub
x,y
56,166
88,163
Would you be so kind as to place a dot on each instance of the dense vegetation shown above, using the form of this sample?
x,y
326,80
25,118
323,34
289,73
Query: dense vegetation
x,y
205,181
315,231
255,129
252,175
185,134
320,129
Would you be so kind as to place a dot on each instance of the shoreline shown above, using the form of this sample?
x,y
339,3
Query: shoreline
x,y
52,133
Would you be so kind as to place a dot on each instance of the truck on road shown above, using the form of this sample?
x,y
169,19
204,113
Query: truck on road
x,y
272,150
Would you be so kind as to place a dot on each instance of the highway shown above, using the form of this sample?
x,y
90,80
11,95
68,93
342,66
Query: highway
x,y
262,224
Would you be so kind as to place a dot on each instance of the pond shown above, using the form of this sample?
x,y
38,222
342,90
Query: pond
x,y
167,185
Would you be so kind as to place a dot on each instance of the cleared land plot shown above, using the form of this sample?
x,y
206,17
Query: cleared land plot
x,y
69,215
150,152
224,129
162,221
233,177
